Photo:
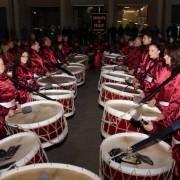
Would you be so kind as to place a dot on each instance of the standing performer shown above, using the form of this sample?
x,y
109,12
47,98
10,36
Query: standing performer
x,y
8,95
24,77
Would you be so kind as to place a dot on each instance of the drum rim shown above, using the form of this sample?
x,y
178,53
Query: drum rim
x,y
125,169
119,73
117,113
74,81
107,76
33,151
81,68
69,94
104,85
74,168
77,64
41,123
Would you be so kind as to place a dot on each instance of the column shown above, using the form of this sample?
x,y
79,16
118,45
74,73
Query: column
x,y
160,14
66,13
110,15
9,14
16,5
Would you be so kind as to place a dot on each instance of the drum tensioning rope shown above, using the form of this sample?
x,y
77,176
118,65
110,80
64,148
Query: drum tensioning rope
x,y
134,111
131,156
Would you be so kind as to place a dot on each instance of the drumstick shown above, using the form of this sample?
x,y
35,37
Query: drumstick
x,y
31,90
154,138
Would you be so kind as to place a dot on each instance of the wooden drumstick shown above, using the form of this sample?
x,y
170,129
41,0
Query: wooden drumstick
x,y
154,138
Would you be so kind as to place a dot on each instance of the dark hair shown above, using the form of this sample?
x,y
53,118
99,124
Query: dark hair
x,y
159,47
18,59
174,52
32,42
148,33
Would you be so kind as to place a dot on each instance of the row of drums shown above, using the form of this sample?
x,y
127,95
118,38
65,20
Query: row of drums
x,y
22,156
41,124
119,100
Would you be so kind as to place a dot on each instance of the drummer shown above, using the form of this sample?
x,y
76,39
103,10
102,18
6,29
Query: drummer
x,y
24,77
168,100
37,63
7,55
47,54
147,40
8,94
134,55
154,70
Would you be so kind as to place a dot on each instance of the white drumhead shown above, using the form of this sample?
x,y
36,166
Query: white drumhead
x,y
55,94
77,64
43,113
119,108
159,154
76,69
121,89
119,74
80,58
25,145
51,171
56,80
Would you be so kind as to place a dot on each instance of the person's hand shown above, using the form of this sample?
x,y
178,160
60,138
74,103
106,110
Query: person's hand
x,y
48,74
18,109
10,113
148,127
151,102
160,117
136,86
131,71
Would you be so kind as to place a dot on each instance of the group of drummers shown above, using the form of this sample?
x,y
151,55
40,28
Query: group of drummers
x,y
155,67
150,63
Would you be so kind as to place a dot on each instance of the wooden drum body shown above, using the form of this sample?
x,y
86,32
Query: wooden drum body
x,y
110,91
50,171
65,97
116,116
158,153
22,149
60,82
46,120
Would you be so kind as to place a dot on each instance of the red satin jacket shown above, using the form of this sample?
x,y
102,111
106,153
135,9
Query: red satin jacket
x,y
8,93
171,94
9,60
155,74
98,59
134,57
48,58
25,77
141,68
37,63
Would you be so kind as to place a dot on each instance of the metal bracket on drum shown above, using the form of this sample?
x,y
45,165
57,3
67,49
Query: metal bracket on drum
x,y
119,155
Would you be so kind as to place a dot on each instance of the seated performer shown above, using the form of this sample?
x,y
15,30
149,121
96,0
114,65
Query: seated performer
x,y
168,100
48,55
7,55
8,95
24,77
37,63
